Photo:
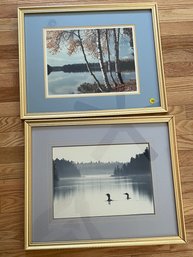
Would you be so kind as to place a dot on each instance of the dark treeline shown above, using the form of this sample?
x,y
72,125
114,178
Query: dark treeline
x,y
98,164
139,165
64,169
128,65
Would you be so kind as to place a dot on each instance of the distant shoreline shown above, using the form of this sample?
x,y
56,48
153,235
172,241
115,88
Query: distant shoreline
x,y
82,67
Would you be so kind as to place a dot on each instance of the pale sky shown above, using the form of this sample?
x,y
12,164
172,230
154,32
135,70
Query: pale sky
x,y
103,153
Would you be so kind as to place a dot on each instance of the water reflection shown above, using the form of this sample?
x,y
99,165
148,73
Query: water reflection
x,y
87,196
66,83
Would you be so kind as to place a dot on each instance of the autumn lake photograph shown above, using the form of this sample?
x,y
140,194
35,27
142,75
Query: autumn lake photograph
x,y
102,180
87,61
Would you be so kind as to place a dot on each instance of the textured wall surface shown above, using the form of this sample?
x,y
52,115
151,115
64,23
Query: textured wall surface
x,y
176,22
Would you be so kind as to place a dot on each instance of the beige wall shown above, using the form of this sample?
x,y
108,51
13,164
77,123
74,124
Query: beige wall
x,y
176,19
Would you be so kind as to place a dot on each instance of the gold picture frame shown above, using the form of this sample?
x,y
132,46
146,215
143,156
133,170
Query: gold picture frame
x,y
141,91
44,231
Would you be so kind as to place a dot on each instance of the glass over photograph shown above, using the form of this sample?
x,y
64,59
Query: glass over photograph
x,y
102,180
90,61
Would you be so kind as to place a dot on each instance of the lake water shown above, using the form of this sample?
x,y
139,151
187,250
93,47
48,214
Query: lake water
x,y
86,196
67,83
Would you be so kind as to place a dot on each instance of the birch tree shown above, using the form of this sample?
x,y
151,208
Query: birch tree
x,y
116,34
101,60
73,41
95,44
107,36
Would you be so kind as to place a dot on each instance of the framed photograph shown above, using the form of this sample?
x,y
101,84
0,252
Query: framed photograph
x,y
101,182
97,60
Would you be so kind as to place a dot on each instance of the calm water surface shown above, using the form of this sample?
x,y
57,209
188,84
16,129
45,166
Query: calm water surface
x,y
86,196
67,83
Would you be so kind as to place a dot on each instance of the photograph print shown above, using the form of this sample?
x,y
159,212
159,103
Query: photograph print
x,y
102,180
87,61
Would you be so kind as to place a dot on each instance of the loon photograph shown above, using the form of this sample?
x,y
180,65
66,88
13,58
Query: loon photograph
x,y
102,180
90,60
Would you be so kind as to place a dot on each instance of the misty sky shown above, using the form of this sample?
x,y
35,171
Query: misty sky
x,y
103,153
